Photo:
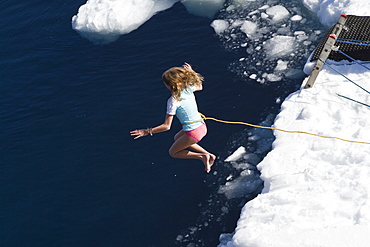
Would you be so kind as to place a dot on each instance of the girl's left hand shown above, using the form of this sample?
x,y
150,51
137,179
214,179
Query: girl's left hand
x,y
139,133
187,66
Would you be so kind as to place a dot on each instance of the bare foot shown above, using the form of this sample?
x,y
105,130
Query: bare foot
x,y
208,160
213,158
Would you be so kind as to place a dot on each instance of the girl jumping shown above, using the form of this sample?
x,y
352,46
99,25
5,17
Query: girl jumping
x,y
182,82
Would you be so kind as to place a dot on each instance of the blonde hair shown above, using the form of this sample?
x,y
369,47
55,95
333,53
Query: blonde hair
x,y
178,79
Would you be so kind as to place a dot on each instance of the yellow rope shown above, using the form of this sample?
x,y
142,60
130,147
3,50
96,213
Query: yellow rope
x,y
272,128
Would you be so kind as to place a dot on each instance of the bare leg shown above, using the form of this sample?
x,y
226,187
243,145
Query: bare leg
x,y
178,135
195,147
182,142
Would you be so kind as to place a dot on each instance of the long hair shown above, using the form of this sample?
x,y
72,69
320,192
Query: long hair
x,y
178,79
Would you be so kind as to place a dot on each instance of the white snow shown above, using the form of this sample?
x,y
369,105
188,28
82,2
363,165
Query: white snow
x,y
316,190
104,21
329,10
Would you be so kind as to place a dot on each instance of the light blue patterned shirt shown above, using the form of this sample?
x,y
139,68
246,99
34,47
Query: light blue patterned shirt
x,y
186,110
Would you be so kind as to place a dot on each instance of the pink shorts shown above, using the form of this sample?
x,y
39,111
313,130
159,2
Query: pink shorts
x,y
198,133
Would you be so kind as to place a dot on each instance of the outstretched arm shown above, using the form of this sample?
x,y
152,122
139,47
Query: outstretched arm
x,y
150,131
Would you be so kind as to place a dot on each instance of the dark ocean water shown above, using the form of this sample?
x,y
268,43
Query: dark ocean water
x,y
70,174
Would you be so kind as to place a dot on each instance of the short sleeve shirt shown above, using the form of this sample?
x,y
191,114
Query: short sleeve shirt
x,y
185,110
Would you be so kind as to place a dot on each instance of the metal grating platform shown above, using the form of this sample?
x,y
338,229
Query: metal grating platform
x,y
356,28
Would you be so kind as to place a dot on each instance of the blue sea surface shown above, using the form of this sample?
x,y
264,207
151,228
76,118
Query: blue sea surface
x,y
70,173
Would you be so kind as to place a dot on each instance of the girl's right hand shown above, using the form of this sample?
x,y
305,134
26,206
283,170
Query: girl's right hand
x,y
139,133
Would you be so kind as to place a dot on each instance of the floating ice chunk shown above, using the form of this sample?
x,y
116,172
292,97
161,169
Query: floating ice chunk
x,y
239,153
296,18
104,21
264,7
253,13
230,8
279,46
278,13
281,65
249,28
204,8
301,36
219,26
237,23
272,77
297,33
264,16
